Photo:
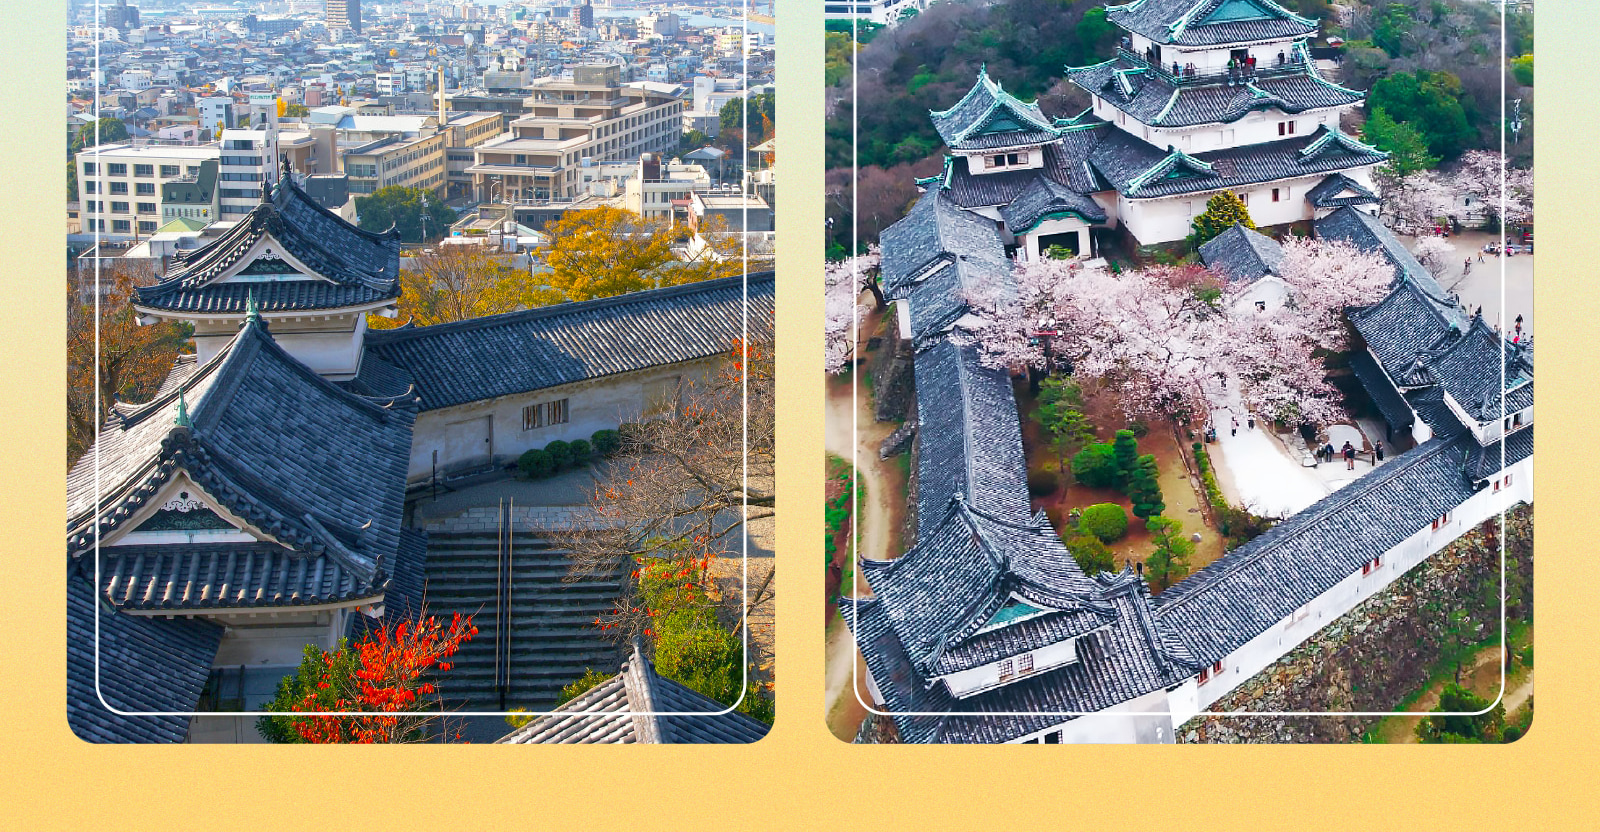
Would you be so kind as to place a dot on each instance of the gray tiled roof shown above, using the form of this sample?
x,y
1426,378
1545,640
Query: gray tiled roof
x,y
1390,403
965,567
353,267
1044,197
1368,233
935,228
209,576
985,108
1479,368
1182,22
1243,255
1152,99
969,438
1236,598
1402,326
630,707
146,664
1125,660
519,352
320,470
1326,193
1140,170
1064,163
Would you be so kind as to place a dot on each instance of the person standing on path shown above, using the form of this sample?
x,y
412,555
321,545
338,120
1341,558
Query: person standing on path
x,y
1377,453
1349,452
1236,426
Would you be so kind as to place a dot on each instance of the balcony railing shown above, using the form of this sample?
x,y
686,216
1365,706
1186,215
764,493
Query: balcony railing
x,y
1292,65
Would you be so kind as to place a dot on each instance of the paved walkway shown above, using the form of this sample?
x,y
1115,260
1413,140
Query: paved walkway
x,y
1481,286
1265,478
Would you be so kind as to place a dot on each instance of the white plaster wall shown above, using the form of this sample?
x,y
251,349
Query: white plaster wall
x,y
457,433
275,639
331,347
1168,219
1140,720
985,677
975,163
1270,290
1029,243
1271,645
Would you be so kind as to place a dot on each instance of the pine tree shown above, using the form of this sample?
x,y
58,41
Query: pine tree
x,y
1171,556
1144,489
1126,452
1222,211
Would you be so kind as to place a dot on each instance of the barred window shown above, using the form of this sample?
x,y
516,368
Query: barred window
x,y
1025,663
544,414
1005,670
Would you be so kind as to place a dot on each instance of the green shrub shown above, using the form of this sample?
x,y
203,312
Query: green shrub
x,y
1511,734
1093,557
1107,521
581,451
1139,429
1170,560
1095,466
1042,483
536,464
560,453
606,442
590,679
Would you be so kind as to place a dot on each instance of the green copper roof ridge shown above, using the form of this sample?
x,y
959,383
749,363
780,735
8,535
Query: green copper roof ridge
x,y
182,420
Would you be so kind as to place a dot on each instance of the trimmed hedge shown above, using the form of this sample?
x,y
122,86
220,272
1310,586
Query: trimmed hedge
x,y
1107,521
581,451
561,452
536,464
606,442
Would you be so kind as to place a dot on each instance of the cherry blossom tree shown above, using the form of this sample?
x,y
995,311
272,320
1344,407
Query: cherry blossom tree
x,y
1434,253
1275,358
843,283
1147,335
1009,315
1327,277
1478,175
1416,201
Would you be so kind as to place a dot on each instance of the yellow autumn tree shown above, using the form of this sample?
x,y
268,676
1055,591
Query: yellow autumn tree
x,y
455,283
606,251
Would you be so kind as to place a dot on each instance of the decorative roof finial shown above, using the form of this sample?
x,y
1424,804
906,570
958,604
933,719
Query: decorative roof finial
x,y
252,313
183,412
266,190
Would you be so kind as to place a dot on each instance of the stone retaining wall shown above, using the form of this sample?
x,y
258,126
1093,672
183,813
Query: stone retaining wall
x,y
1372,657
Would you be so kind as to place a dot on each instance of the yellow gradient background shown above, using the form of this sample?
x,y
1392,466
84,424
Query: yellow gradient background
x,y
799,777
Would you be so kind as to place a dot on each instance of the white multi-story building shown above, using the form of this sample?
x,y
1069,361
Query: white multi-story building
x,y
593,116
881,12
119,185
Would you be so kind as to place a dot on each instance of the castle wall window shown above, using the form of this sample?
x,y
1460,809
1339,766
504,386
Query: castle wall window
x,y
1005,670
1024,663
544,414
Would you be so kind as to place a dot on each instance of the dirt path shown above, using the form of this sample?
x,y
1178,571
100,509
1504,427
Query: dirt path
x,y
1483,678
877,513
877,520
844,710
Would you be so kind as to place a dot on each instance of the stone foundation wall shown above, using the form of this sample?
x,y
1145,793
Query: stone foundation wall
x,y
893,385
1375,655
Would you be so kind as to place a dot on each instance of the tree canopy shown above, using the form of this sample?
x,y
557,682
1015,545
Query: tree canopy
x,y
402,208
606,251
1433,103
460,282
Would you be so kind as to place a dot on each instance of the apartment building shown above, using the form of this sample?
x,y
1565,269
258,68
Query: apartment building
x,y
593,116
415,162
464,132
119,185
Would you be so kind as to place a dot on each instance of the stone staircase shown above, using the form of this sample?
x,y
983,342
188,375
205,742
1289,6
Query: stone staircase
x,y
551,639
